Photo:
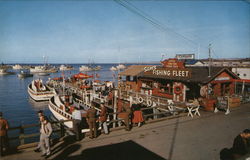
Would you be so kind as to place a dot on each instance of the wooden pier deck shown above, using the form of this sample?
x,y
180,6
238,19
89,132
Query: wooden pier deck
x,y
179,138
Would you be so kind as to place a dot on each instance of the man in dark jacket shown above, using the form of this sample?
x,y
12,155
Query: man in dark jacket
x,y
103,118
241,145
91,119
3,134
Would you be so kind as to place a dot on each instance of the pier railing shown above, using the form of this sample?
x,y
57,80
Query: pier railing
x,y
58,127
157,104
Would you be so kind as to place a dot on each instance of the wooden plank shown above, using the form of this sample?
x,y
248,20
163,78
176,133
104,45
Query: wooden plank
x,y
29,145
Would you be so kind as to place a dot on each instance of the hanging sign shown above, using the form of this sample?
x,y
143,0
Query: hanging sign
x,y
172,63
222,78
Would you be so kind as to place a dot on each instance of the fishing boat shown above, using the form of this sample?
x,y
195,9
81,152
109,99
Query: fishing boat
x,y
120,67
85,68
40,92
113,68
82,76
17,66
62,107
4,71
43,69
96,68
24,74
66,68
43,74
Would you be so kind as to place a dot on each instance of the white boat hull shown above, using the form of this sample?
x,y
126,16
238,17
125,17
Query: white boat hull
x,y
20,75
59,114
65,68
40,95
16,67
42,69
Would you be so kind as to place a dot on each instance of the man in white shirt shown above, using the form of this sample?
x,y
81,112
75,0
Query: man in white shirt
x,y
77,118
40,116
46,131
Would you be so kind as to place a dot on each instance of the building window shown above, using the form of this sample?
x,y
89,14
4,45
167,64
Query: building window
x,y
147,84
131,78
244,75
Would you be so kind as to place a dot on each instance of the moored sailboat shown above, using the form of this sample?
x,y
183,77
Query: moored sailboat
x,y
66,68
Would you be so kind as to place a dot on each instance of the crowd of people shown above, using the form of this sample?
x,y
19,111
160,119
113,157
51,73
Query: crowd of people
x,y
126,115
129,115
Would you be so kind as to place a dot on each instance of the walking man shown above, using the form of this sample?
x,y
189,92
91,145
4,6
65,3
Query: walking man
x,y
91,119
103,118
127,117
77,118
3,134
46,131
40,116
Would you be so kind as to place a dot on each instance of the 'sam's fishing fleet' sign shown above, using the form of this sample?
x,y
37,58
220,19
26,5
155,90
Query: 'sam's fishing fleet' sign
x,y
169,72
170,68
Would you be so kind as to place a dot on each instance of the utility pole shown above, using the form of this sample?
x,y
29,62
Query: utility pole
x,y
199,46
209,63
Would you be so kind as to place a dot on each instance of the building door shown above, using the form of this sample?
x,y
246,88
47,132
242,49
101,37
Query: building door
x,y
225,89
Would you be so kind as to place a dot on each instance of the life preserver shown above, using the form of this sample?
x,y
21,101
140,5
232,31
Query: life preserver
x,y
140,99
149,102
203,91
178,89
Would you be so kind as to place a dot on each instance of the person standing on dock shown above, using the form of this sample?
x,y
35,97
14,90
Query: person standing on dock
x,y
77,118
103,118
46,131
4,126
40,116
91,119
124,113
127,118
137,115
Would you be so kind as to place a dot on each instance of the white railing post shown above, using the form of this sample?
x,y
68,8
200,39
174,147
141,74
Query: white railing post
x,y
130,101
115,107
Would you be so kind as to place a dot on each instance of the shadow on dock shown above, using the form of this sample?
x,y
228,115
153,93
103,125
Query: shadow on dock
x,y
66,147
122,151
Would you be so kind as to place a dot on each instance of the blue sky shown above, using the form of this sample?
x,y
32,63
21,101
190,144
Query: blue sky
x,y
104,31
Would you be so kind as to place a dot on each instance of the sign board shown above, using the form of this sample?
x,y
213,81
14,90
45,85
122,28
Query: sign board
x,y
185,56
172,63
222,78
167,72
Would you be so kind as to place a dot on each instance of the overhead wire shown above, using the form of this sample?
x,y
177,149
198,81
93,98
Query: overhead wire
x,y
214,54
151,20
